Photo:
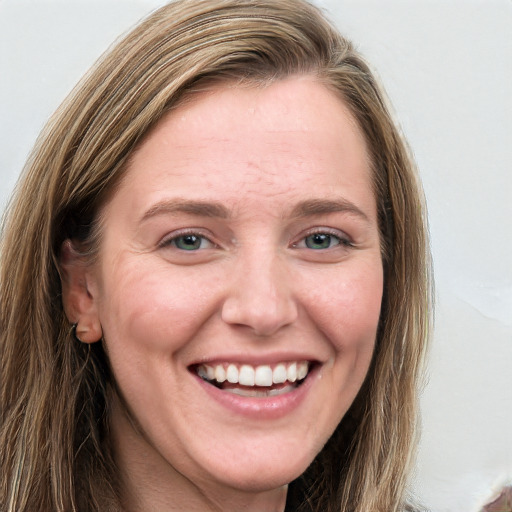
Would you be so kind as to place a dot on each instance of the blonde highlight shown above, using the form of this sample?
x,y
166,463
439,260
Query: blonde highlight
x,y
54,392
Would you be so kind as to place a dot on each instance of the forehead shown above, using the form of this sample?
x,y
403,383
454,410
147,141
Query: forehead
x,y
294,136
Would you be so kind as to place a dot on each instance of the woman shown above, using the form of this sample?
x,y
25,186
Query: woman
x,y
215,281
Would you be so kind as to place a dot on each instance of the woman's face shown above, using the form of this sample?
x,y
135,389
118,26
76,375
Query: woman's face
x,y
239,283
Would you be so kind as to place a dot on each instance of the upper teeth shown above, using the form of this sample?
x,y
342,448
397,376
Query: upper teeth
x,y
247,375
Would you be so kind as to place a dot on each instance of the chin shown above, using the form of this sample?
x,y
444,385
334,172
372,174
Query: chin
x,y
269,469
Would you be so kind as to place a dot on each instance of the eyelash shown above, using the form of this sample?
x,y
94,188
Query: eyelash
x,y
172,241
343,240
302,244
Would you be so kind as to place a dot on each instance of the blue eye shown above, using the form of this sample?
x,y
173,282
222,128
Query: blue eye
x,y
189,242
321,241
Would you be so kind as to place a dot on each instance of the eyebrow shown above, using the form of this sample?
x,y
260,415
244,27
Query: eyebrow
x,y
325,206
303,209
199,208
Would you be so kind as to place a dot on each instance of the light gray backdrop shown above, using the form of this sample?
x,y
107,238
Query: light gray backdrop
x,y
447,67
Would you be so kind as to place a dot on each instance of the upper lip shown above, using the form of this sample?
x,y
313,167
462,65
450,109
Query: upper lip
x,y
256,360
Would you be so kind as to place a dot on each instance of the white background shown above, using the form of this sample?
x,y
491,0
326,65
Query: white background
x,y
447,67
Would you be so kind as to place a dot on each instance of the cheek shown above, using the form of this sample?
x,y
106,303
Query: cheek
x,y
347,307
156,309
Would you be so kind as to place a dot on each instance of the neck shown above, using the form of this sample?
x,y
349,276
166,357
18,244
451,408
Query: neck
x,y
150,482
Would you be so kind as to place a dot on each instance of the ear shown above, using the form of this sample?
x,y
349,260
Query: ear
x,y
79,294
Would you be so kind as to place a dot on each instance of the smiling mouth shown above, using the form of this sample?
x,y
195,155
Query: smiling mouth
x,y
255,381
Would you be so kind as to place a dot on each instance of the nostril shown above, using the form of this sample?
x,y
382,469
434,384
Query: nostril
x,y
263,315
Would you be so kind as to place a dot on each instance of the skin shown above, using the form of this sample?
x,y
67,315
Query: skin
x,y
253,290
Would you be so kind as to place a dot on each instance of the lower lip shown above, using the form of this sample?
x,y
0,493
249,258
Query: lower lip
x,y
271,407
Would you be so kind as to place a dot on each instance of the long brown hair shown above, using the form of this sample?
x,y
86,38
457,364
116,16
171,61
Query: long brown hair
x,y
54,391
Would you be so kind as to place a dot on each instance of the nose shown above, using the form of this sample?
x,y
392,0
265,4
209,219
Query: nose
x,y
260,296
